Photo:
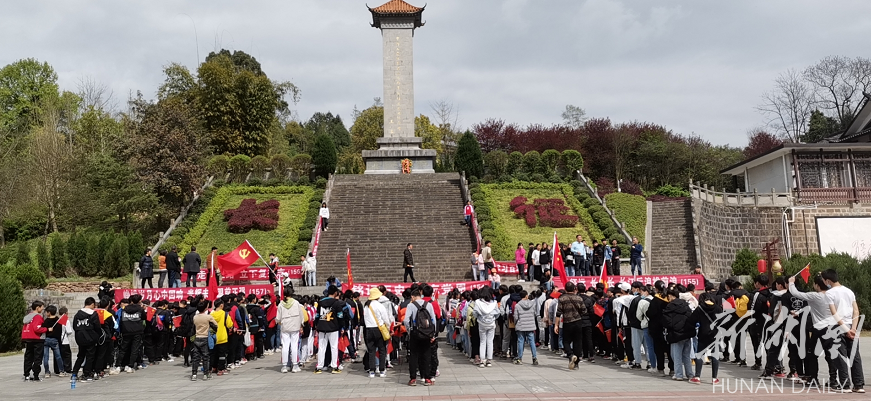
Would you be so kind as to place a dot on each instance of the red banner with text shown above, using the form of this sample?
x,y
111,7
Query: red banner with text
x,y
253,273
177,294
685,279
438,288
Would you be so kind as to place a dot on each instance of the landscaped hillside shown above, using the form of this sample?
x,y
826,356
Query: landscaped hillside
x,y
286,240
502,226
631,210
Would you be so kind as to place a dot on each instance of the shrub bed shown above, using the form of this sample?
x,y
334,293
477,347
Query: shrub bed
x,y
630,210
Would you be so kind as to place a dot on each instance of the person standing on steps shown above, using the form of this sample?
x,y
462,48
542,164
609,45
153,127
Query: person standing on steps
x,y
146,269
520,259
615,258
580,254
635,256
468,211
192,264
161,267
325,216
487,255
408,264
310,268
173,268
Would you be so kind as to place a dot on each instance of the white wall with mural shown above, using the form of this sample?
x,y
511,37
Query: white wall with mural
x,y
850,235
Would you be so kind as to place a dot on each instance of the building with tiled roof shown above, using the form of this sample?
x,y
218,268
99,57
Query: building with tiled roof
x,y
396,8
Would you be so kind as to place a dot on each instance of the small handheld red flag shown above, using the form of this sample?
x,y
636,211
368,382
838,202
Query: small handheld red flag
x,y
601,327
806,273
62,321
608,334
149,313
213,280
599,310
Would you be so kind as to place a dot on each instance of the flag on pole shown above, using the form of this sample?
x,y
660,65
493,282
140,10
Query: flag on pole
x,y
601,327
213,280
350,276
558,263
608,334
599,310
806,273
239,259
603,278
62,321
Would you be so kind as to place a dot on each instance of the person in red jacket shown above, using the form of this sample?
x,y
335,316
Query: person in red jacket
x,y
33,336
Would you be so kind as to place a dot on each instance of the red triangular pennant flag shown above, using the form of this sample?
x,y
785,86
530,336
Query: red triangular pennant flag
x,y
213,280
558,264
239,259
806,273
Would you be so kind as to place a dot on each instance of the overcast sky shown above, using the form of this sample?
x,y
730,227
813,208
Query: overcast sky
x,y
694,66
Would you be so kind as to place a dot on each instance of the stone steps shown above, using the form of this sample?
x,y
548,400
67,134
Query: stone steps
x,y
672,247
377,215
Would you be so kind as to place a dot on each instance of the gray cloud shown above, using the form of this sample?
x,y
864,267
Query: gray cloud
x,y
693,66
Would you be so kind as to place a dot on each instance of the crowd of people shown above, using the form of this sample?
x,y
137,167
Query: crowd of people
x,y
638,326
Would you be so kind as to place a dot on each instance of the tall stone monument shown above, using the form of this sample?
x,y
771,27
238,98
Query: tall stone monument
x,y
397,21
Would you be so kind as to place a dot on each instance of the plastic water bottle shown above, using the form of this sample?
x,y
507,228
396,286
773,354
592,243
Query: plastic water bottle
x,y
73,382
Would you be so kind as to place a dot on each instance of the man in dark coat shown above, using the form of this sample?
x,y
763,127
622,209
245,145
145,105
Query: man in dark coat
x,y
173,266
408,264
192,264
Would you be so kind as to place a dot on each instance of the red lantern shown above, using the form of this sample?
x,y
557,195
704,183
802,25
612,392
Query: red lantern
x,y
761,265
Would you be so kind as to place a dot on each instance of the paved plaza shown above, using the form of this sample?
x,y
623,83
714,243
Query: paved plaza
x,y
460,380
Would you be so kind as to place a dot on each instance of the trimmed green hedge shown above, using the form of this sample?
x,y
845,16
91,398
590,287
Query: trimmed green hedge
x,y
505,230
630,210
210,229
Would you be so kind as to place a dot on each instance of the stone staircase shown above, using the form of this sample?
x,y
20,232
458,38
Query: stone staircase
x,y
377,215
672,249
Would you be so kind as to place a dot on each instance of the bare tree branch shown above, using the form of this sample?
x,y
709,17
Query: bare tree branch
x,y
789,105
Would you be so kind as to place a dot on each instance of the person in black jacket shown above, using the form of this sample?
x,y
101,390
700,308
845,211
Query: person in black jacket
x,y
330,320
146,269
408,264
173,267
679,333
705,316
132,327
257,325
759,307
192,264
86,324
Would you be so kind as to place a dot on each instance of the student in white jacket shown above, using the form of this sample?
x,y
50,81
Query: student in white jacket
x,y
291,315
325,216
374,315
486,311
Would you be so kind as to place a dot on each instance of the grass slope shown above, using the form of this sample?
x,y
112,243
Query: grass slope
x,y
211,229
629,209
511,230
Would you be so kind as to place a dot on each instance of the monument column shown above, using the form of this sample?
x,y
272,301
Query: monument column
x,y
397,21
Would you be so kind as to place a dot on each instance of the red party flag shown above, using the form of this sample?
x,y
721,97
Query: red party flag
x,y
806,273
558,264
239,259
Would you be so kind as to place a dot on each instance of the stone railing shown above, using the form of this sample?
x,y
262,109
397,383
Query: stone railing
x,y
182,214
746,199
620,225
316,234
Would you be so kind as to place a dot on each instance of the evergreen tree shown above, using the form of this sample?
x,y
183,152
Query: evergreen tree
x,y
77,252
43,261
94,250
14,309
469,158
324,155
22,257
136,245
819,127
59,262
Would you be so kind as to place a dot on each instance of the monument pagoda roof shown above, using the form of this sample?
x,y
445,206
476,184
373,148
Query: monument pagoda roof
x,y
396,8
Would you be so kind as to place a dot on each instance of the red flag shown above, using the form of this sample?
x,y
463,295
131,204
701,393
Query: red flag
x,y
599,310
213,280
806,273
731,301
343,343
176,321
62,321
350,276
620,336
149,313
239,259
603,278
608,334
558,263
601,327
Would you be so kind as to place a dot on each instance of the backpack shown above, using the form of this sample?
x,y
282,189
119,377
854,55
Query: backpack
x,y
187,329
422,327
510,311
441,323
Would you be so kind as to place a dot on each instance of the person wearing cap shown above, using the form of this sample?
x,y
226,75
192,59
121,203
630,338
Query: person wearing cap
x,y
374,315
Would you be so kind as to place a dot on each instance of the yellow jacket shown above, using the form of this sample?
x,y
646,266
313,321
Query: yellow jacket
x,y
223,319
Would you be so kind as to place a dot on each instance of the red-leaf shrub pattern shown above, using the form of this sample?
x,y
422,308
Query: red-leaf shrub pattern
x,y
551,212
249,215
518,201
